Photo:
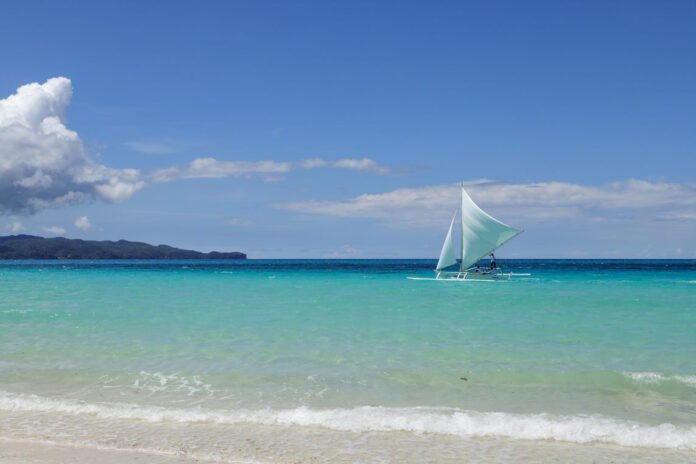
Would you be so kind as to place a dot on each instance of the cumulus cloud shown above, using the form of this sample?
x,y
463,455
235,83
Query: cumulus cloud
x,y
43,164
83,223
524,201
214,168
54,230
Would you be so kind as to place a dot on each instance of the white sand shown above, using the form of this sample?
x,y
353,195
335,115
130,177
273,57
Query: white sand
x,y
28,452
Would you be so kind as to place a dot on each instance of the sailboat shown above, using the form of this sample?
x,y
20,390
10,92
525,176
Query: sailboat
x,y
481,235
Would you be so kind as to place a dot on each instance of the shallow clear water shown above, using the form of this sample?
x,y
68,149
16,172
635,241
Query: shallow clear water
x,y
580,351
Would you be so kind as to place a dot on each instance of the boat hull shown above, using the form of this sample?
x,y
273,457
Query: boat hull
x,y
469,277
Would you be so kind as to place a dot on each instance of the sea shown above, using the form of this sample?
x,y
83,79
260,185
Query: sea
x,y
349,361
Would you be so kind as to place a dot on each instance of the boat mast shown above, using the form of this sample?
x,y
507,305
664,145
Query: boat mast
x,y
461,229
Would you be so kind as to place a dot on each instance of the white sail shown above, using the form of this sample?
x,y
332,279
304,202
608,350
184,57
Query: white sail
x,y
481,233
448,256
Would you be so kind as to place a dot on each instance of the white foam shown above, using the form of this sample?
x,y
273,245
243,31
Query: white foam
x,y
448,421
687,379
645,377
157,382
657,377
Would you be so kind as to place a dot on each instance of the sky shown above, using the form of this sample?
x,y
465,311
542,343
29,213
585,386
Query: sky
x,y
342,129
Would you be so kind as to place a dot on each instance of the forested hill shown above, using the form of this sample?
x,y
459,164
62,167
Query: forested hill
x,y
33,247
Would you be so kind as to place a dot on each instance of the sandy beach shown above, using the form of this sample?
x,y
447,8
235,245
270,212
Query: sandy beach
x,y
33,452
373,449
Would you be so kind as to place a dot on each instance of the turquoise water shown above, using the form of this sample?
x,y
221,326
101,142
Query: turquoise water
x,y
611,343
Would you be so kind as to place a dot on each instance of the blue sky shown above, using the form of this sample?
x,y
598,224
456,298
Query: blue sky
x,y
579,116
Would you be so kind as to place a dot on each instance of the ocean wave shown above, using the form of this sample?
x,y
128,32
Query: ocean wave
x,y
447,421
658,377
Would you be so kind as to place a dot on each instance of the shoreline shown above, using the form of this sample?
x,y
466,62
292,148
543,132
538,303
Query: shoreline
x,y
31,437
300,446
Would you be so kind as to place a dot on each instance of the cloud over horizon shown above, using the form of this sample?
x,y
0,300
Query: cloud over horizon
x,y
212,168
431,205
43,164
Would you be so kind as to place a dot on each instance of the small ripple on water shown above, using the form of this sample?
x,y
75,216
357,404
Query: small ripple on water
x,y
157,382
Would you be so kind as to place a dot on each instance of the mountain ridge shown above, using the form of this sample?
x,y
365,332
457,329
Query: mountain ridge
x,y
24,246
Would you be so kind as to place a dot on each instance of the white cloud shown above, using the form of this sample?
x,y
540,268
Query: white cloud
x,y
54,230
43,163
523,202
15,227
214,168
83,223
362,164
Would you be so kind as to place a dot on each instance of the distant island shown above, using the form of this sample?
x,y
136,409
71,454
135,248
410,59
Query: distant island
x,y
34,247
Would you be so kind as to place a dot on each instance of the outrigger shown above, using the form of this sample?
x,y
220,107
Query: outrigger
x,y
490,272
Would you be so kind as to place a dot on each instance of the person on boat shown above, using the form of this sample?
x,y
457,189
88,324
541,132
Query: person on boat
x,y
478,269
494,266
